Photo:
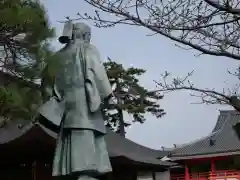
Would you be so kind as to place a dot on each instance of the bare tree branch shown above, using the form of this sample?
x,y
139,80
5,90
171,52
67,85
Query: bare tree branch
x,y
207,96
211,27
226,7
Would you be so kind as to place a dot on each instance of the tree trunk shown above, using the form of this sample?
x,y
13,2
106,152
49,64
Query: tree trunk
x,y
120,111
121,123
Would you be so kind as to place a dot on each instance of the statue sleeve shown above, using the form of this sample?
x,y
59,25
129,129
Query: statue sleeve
x,y
101,78
102,81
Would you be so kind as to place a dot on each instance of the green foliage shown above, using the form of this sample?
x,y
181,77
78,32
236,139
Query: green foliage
x,y
23,57
17,101
132,98
23,17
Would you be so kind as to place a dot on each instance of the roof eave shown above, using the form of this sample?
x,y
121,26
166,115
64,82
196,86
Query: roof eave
x,y
161,164
199,156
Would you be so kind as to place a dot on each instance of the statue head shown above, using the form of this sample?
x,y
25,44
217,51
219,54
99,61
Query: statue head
x,y
78,31
82,31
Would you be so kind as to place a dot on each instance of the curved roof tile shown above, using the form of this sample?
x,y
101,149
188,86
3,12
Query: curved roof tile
x,y
224,139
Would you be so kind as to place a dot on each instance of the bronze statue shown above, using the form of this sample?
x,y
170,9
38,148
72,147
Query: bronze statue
x,y
80,85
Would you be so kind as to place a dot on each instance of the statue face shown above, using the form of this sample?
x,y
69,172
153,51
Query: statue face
x,y
82,31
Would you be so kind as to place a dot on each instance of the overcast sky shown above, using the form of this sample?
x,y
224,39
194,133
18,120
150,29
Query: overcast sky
x,y
184,121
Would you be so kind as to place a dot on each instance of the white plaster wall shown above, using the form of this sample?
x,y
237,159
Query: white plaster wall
x,y
163,175
145,176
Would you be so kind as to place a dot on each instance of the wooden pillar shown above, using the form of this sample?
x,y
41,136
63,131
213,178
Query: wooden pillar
x,y
187,175
213,167
38,173
34,170
213,170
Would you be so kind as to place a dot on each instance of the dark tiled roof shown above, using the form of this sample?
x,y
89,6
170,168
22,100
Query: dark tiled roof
x,y
124,147
117,146
223,139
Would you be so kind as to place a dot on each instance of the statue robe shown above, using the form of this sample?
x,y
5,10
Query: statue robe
x,y
81,146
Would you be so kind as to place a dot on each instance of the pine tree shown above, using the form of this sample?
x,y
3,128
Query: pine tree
x,y
131,97
24,28
24,31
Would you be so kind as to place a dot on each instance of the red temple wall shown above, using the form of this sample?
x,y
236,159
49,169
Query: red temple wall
x,y
213,173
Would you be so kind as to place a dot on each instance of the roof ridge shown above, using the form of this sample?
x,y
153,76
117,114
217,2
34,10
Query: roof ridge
x,y
222,112
221,120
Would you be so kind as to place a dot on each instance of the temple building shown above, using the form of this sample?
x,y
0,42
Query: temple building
x,y
216,156
27,149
